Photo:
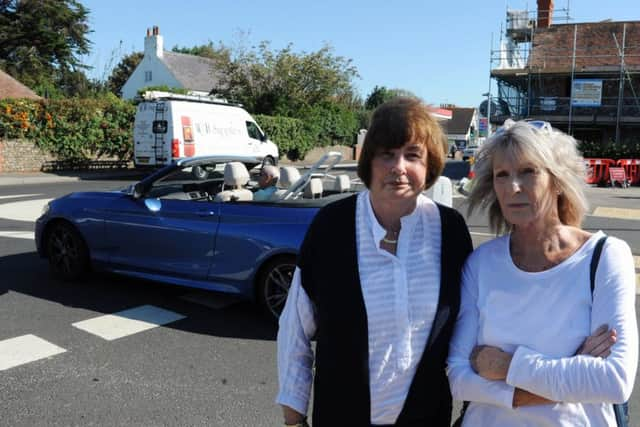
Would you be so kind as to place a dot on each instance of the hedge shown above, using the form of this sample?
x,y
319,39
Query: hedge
x,y
88,129
629,149
72,129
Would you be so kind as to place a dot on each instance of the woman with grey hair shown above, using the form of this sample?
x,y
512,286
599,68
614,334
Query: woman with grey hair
x,y
530,297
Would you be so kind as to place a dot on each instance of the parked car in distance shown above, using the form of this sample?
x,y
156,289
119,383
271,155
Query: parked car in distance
x,y
469,152
176,228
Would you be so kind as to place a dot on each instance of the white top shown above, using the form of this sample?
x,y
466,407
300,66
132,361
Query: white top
x,y
543,318
401,298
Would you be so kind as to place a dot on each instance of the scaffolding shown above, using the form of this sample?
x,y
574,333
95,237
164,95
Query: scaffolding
x,y
580,77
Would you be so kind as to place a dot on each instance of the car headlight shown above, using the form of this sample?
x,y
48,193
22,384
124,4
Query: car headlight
x,y
45,209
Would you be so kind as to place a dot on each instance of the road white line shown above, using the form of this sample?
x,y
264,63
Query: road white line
x,y
619,213
128,322
27,348
27,210
17,196
17,234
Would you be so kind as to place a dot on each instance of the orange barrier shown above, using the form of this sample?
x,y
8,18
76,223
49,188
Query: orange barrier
x,y
598,170
632,170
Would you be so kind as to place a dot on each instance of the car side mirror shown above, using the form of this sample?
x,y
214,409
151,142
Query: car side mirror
x,y
136,190
263,137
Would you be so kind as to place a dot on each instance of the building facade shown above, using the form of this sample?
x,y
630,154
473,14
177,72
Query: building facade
x,y
583,78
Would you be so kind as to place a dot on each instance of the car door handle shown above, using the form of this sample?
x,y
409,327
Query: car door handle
x,y
206,212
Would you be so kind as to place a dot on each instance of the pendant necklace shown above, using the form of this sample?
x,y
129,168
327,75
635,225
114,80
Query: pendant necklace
x,y
391,241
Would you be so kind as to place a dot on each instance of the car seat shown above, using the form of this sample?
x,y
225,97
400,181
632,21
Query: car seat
x,y
313,190
236,176
288,175
342,183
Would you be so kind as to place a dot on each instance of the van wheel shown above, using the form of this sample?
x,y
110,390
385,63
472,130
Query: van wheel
x,y
269,161
199,172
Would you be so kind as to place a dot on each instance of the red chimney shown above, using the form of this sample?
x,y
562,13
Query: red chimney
x,y
545,13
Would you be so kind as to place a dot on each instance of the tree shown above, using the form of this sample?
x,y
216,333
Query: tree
x,y
42,40
209,50
121,72
286,83
380,94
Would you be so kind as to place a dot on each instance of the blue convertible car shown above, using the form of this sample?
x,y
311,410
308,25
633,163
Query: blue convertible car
x,y
192,223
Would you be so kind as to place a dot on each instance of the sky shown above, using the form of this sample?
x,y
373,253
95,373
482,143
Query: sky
x,y
439,50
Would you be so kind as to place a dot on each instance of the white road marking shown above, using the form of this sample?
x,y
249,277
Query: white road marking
x,y
27,210
17,234
620,213
16,196
128,322
27,348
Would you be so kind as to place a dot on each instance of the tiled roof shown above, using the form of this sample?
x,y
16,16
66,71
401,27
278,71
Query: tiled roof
x,y
460,122
11,88
596,49
194,72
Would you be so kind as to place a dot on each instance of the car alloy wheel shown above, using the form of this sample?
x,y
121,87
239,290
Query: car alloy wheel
x,y
274,284
67,252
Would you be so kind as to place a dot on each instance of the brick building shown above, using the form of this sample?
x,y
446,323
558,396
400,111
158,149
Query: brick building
x,y
584,78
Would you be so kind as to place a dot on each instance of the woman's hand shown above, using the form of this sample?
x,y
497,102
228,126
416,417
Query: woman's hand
x,y
490,362
599,343
525,398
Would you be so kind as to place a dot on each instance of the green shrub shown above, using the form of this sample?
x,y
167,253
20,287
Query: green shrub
x,y
72,129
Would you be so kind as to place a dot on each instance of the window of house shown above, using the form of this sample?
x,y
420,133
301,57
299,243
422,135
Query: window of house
x,y
147,76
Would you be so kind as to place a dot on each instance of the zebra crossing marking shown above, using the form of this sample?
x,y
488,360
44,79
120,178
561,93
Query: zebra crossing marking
x,y
619,213
28,235
24,349
128,322
17,196
26,210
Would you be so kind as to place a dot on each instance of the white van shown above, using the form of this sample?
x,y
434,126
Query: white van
x,y
170,126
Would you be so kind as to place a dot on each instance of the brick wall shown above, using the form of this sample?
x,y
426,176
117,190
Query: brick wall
x,y
18,155
595,47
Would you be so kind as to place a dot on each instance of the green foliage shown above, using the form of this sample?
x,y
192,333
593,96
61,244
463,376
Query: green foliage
x,y
42,42
628,149
72,129
380,94
218,52
121,72
163,88
324,124
286,83
289,135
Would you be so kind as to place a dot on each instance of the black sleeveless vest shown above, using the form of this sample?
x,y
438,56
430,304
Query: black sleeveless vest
x,y
329,265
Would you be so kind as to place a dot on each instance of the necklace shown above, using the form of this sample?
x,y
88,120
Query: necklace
x,y
391,241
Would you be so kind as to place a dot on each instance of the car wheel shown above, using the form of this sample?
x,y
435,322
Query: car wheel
x,y
273,284
67,252
199,172
269,161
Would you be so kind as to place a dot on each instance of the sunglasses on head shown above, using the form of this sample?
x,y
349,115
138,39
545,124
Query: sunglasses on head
x,y
538,124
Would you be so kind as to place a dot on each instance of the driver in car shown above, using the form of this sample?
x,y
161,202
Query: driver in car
x,y
267,180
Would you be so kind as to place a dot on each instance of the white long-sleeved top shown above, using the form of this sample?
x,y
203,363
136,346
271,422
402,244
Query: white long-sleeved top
x,y
401,296
542,318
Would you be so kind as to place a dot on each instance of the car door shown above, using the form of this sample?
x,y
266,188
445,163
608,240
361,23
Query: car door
x,y
163,236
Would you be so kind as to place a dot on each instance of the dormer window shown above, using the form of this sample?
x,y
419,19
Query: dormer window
x,y
147,76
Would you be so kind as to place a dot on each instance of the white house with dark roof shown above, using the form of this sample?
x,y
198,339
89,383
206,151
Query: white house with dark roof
x,y
462,128
160,67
